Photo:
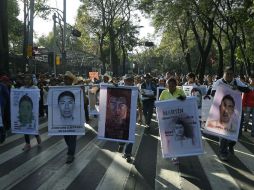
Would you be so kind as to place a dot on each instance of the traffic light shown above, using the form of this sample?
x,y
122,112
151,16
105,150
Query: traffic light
x,y
58,60
76,33
29,51
149,44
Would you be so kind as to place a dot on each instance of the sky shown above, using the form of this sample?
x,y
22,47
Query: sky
x,y
42,27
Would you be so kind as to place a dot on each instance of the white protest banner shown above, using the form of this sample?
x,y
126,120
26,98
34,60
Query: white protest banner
x,y
179,127
187,89
159,91
117,121
25,111
93,96
206,105
225,114
1,120
66,110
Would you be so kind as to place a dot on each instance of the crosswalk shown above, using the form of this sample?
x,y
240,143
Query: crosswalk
x,y
98,165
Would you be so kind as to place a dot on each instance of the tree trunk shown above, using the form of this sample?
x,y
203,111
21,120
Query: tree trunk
x,y
4,46
221,63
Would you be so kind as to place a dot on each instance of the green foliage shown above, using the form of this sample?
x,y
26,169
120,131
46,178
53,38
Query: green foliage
x,y
15,27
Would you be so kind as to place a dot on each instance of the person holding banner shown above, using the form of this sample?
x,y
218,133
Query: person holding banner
x,y
191,79
129,81
227,146
25,110
4,111
148,92
69,99
174,93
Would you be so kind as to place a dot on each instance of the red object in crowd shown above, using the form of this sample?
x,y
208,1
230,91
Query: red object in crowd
x,y
248,99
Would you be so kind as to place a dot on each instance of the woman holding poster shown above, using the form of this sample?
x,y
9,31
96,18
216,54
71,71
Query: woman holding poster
x,y
174,93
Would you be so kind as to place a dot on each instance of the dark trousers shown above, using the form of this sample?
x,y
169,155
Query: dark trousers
x,y
225,145
70,140
128,148
27,138
2,134
148,110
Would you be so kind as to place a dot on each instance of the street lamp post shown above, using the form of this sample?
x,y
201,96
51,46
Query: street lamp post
x,y
54,43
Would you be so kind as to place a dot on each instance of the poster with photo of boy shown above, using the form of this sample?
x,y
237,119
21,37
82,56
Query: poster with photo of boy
x,y
66,114
117,121
25,111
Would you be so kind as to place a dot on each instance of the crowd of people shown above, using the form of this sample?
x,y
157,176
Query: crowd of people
x,y
147,85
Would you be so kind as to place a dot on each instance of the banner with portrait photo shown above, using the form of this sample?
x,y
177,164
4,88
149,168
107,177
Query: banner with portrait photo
x,y
118,107
179,127
225,114
206,105
25,111
159,91
1,119
66,110
93,75
187,89
93,96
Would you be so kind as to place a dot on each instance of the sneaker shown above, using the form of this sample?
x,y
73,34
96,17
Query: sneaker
x,y
120,148
26,147
128,159
231,150
70,159
175,161
223,157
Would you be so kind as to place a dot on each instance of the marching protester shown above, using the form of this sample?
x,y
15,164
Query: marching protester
x,y
70,140
172,93
191,79
4,110
28,84
148,91
248,106
226,147
129,81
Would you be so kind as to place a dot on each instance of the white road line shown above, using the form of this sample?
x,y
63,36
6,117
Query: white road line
x,y
21,172
216,173
66,174
119,169
18,149
18,136
167,174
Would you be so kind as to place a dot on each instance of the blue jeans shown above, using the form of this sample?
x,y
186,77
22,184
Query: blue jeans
x,y
148,110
